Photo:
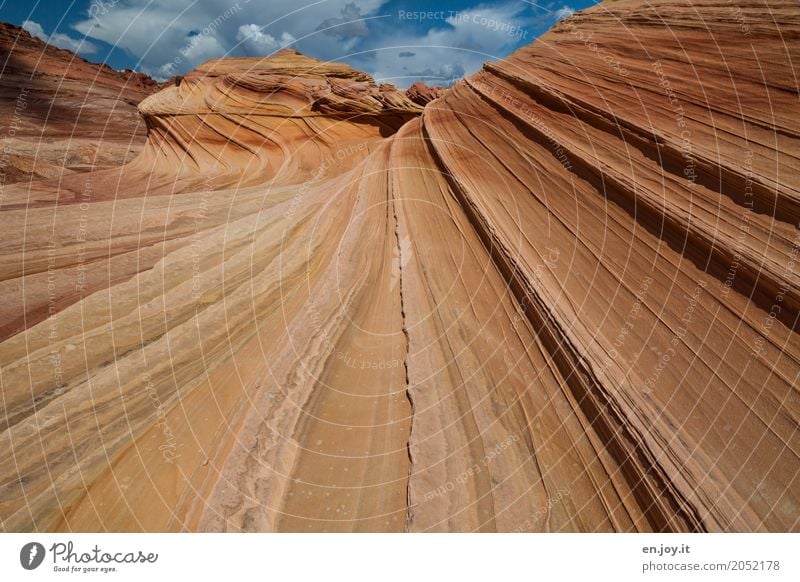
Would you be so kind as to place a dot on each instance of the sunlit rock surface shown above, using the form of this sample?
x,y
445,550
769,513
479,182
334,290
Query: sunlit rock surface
x,y
423,94
562,297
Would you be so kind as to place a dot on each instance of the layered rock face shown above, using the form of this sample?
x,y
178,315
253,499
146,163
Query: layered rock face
x,y
272,119
61,114
562,297
423,94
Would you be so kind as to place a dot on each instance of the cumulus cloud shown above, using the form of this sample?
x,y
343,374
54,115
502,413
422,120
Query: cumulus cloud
x,y
257,43
60,40
350,24
155,31
170,37
202,47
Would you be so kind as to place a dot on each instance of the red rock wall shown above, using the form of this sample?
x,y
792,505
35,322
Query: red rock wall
x,y
563,298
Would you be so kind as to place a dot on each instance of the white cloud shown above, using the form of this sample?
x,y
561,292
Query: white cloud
x,y
155,31
202,47
165,71
171,37
60,40
564,12
257,43
35,29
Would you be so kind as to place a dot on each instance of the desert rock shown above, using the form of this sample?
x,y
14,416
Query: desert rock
x,y
62,114
561,297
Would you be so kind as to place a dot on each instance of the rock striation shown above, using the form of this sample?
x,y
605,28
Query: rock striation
x,y
267,119
423,94
62,114
561,297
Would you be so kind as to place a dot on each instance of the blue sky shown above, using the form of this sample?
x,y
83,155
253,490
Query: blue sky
x,y
396,41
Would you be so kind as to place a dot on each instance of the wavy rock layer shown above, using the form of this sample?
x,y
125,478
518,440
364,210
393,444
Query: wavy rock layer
x,y
563,298
62,114
422,94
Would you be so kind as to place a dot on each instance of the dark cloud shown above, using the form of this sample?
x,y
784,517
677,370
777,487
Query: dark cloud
x,y
350,25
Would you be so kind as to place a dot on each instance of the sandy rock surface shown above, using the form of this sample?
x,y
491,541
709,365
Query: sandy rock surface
x,y
561,297
61,114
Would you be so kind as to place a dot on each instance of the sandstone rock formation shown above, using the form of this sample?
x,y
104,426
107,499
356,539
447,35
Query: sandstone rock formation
x,y
422,94
60,113
562,297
